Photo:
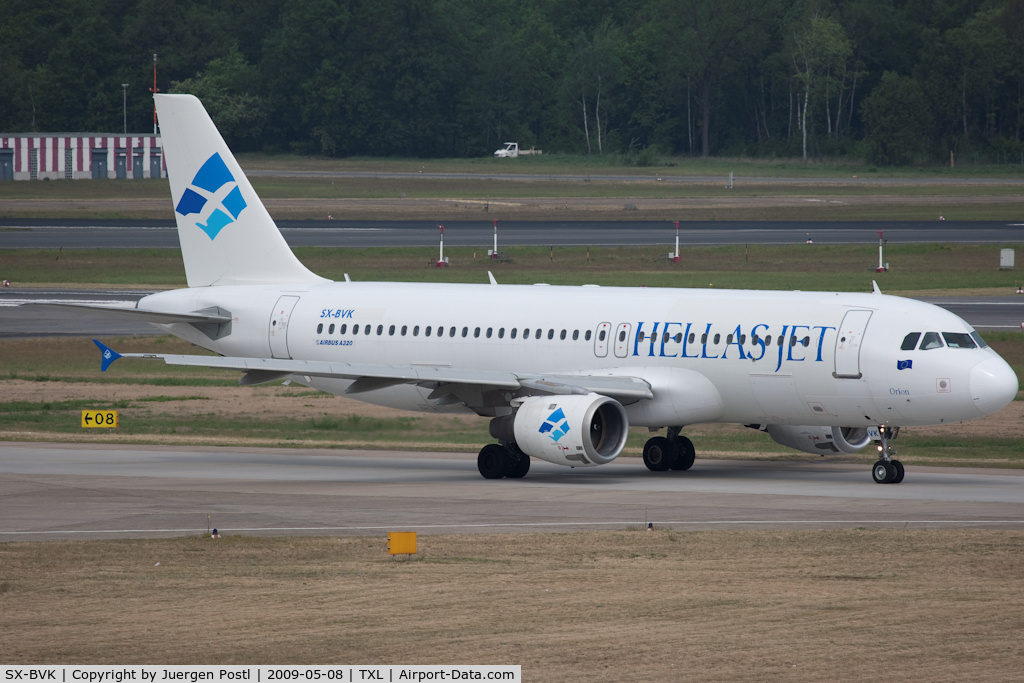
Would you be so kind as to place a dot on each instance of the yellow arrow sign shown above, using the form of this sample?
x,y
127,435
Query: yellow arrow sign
x,y
99,418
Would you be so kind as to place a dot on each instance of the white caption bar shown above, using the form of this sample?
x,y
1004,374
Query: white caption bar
x,y
259,674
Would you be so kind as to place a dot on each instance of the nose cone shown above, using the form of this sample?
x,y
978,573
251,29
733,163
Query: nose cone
x,y
993,385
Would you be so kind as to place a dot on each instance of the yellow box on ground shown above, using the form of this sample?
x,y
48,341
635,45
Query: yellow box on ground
x,y
99,418
401,543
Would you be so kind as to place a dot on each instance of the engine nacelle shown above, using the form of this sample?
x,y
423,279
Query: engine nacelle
x,y
820,440
577,431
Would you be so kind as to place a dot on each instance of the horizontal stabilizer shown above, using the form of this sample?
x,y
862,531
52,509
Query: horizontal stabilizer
x,y
143,316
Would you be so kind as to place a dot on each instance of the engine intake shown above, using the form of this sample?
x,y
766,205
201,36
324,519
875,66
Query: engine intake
x,y
577,431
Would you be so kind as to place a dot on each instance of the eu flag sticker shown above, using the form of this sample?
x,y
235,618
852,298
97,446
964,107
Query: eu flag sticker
x,y
904,364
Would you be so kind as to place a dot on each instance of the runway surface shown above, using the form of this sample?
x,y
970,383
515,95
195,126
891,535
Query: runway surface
x,y
54,491
54,234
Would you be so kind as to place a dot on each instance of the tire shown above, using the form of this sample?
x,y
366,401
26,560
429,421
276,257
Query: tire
x,y
494,461
898,466
520,468
659,454
685,454
882,472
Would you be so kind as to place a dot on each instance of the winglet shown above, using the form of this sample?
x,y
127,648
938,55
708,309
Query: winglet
x,y
108,357
875,288
490,276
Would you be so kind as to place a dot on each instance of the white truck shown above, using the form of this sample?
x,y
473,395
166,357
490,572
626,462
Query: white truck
x,y
511,150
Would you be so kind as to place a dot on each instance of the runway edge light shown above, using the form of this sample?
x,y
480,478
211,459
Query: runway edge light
x,y
401,543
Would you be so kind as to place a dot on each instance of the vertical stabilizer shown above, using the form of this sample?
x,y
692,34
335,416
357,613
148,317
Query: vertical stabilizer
x,y
227,237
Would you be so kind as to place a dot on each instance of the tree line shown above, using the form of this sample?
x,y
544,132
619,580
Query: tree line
x,y
891,81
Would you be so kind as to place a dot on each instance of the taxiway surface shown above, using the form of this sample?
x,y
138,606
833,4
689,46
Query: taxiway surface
x,y
62,491
56,233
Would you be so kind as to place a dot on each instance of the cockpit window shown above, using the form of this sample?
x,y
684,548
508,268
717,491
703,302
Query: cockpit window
x,y
958,340
931,340
977,338
910,341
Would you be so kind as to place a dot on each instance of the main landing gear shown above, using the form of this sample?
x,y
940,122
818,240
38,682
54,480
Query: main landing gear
x,y
671,452
887,470
496,461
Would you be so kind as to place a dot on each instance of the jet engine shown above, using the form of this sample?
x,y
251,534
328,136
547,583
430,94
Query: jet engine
x,y
577,431
820,440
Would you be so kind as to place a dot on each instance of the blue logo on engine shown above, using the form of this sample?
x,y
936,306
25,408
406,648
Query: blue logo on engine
x,y
556,424
213,185
904,364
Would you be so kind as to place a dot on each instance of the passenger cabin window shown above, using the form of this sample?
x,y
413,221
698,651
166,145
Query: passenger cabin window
x,y
319,328
600,335
958,340
330,330
931,340
537,335
910,341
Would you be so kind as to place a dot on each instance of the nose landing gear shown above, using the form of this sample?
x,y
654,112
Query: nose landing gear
x,y
887,470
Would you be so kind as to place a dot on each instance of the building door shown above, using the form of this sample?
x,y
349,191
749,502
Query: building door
x,y
848,343
6,164
137,166
99,164
154,163
121,164
279,326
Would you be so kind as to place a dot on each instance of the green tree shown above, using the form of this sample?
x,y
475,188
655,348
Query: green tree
x,y
821,55
228,88
897,120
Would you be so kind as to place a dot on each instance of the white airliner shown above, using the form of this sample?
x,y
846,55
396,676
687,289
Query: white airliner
x,y
561,371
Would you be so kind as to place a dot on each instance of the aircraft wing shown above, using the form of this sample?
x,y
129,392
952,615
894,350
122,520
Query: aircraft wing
x,y
367,377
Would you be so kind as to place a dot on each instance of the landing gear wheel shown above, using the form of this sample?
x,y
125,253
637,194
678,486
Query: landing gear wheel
x,y
520,468
659,454
898,467
882,472
686,454
494,461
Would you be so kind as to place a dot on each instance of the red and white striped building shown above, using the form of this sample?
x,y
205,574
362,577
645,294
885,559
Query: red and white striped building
x,y
74,156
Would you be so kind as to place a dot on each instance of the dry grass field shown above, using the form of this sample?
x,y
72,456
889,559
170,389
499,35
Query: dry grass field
x,y
630,605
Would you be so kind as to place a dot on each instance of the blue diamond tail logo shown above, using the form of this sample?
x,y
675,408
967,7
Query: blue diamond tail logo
x,y
213,196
